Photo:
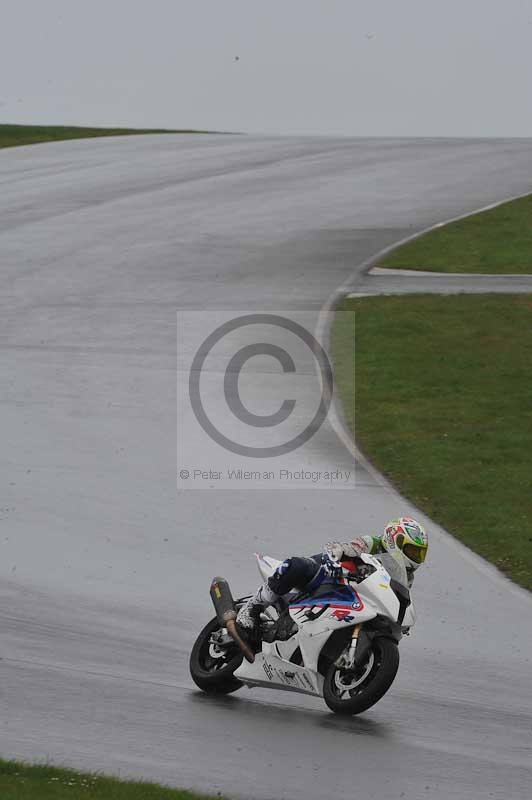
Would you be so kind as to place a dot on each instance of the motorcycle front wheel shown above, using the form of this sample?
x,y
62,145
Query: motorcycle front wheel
x,y
213,660
354,691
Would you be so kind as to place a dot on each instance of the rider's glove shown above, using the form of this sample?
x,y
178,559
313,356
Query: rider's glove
x,y
334,550
331,567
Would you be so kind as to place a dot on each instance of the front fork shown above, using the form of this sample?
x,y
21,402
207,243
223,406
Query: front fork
x,y
347,660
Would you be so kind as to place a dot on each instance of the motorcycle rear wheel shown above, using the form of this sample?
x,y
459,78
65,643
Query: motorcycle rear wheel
x,y
352,692
212,668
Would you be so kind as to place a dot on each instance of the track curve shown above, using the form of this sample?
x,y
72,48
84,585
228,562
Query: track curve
x,y
104,570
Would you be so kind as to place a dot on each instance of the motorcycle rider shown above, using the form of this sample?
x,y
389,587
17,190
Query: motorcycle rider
x,y
306,574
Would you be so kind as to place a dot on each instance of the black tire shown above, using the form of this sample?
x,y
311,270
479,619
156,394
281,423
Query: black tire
x,y
214,675
380,677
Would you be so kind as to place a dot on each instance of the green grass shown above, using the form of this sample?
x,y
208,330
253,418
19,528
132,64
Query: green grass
x,y
497,241
443,406
20,781
14,135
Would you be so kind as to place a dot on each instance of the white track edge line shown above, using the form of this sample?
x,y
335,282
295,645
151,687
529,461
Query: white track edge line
x,y
383,272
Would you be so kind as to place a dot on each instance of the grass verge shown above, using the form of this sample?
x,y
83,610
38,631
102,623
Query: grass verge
x,y
14,135
497,242
443,408
20,781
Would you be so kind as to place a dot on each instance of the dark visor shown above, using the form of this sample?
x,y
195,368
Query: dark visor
x,y
415,552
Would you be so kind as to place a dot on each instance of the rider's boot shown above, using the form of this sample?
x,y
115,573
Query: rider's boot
x,y
249,615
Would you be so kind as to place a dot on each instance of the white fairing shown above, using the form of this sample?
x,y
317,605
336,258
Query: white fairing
x,y
346,605
410,616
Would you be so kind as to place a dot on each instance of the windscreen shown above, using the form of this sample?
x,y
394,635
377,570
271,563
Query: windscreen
x,y
395,567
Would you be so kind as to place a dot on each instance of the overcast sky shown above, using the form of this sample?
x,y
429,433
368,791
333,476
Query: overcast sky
x,y
378,67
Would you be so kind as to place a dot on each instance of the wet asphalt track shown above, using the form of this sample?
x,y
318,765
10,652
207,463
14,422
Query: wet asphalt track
x,y
104,571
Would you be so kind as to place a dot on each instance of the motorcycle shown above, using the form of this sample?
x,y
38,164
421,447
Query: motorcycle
x,y
339,642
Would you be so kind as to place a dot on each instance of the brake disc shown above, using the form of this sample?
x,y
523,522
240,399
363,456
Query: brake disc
x,y
348,685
